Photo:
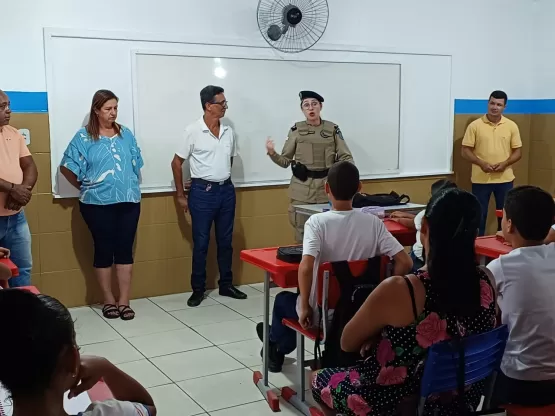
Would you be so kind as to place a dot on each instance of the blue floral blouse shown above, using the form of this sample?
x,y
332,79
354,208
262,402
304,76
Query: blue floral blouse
x,y
108,168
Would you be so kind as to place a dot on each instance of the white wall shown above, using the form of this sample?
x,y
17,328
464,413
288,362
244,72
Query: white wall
x,y
491,41
544,49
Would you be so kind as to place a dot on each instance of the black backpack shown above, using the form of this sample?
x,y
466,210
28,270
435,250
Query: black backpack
x,y
379,200
353,293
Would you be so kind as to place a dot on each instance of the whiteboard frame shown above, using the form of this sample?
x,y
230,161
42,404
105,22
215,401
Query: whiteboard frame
x,y
50,33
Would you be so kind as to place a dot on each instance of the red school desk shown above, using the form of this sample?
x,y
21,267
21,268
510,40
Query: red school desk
x,y
284,275
13,268
490,247
405,235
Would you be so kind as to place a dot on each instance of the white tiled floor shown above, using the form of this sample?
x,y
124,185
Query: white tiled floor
x,y
193,361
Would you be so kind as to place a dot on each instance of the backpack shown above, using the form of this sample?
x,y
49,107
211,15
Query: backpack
x,y
379,200
353,293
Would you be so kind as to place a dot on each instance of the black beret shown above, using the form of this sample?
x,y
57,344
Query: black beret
x,y
311,94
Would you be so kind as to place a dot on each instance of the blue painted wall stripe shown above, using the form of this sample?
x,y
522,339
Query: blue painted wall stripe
x,y
28,102
36,102
544,106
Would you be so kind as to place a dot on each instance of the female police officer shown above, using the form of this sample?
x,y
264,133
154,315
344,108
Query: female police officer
x,y
312,147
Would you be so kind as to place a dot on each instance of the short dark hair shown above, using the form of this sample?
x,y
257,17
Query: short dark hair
x,y
39,328
442,184
208,93
343,179
531,210
499,95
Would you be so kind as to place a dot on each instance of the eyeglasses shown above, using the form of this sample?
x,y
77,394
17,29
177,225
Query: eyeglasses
x,y
308,106
223,103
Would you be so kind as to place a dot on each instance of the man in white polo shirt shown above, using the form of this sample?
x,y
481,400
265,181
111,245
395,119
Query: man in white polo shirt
x,y
209,146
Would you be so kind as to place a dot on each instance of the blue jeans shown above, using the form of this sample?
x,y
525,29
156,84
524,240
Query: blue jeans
x,y
16,236
212,204
417,264
285,306
483,192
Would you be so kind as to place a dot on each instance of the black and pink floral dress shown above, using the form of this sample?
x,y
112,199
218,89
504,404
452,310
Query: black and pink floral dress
x,y
389,378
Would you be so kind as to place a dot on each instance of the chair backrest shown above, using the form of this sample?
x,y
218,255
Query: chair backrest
x,y
482,352
357,268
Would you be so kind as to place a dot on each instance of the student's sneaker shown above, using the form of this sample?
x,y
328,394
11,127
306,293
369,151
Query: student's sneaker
x,y
275,358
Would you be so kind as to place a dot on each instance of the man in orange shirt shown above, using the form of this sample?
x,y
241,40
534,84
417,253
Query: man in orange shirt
x,y
492,144
18,175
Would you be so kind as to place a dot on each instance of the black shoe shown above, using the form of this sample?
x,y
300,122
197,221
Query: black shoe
x,y
275,358
195,299
232,292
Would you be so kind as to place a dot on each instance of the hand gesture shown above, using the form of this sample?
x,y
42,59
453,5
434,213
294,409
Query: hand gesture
x,y
21,194
270,146
4,253
396,214
90,372
183,203
11,204
486,167
305,316
500,167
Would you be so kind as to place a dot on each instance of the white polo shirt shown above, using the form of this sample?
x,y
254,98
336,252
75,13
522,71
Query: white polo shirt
x,y
525,280
209,156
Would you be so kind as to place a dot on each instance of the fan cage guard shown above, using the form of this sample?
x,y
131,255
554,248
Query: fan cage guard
x,y
293,38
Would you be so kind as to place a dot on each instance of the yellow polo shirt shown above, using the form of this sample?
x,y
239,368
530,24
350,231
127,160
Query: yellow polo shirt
x,y
492,143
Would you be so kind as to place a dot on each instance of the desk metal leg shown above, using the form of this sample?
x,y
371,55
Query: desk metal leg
x,y
261,378
482,260
297,396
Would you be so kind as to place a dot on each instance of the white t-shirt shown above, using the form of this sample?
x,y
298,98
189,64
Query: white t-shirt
x,y
115,408
344,235
209,156
418,248
525,280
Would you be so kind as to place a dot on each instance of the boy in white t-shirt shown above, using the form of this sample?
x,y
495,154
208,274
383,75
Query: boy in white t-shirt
x,y
525,281
339,234
415,222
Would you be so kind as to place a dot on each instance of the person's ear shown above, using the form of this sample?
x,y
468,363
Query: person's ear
x,y
359,186
327,188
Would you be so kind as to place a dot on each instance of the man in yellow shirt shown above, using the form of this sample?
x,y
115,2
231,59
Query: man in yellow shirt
x,y
492,144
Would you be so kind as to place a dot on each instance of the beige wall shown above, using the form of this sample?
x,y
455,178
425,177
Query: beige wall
x,y
62,246
542,152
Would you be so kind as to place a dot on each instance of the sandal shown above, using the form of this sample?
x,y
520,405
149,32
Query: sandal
x,y
110,311
126,313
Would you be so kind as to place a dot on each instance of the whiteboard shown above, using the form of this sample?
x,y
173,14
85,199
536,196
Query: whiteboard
x,y
79,62
263,94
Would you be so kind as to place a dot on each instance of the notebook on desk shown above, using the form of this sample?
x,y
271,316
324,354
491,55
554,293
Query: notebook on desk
x,y
72,407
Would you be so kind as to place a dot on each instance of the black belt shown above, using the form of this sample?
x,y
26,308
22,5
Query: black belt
x,y
205,182
317,174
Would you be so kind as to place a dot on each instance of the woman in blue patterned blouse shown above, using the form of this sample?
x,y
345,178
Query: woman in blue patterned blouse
x,y
103,161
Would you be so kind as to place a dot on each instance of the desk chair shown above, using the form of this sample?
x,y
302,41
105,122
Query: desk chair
x,y
328,296
482,358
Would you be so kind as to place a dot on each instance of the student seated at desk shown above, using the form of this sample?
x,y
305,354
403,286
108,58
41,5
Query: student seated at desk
x,y
452,297
415,222
43,362
525,280
5,272
336,235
